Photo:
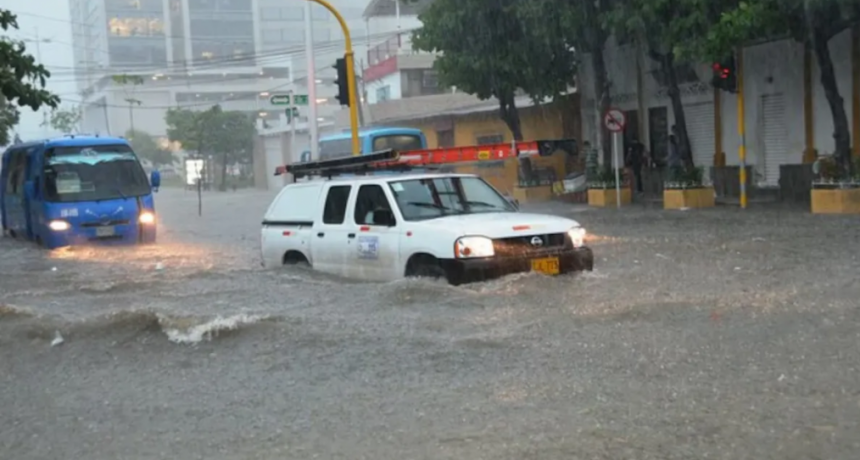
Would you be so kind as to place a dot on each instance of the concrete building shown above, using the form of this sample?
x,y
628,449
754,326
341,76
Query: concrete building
x,y
785,108
197,53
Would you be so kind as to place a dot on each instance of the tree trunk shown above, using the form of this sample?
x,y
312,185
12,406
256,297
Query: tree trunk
x,y
667,63
841,133
511,115
223,186
602,98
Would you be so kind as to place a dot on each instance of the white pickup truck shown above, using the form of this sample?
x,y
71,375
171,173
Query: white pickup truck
x,y
386,227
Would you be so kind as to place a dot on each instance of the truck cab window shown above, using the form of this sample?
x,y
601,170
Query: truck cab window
x,y
371,198
335,204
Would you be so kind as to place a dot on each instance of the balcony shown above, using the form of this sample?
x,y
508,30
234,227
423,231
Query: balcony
x,y
381,8
395,54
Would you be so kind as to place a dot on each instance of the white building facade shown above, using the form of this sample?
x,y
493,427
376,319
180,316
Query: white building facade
x,y
778,128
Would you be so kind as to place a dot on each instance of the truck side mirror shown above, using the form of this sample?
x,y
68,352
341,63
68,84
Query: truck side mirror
x,y
155,179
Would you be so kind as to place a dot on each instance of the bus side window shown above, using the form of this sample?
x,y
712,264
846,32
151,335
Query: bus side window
x,y
15,179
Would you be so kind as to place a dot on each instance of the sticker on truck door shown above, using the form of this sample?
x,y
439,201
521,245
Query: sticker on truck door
x,y
368,247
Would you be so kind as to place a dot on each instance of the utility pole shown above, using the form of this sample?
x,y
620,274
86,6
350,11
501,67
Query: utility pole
x,y
313,127
38,41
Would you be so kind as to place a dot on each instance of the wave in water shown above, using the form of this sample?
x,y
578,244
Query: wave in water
x,y
15,321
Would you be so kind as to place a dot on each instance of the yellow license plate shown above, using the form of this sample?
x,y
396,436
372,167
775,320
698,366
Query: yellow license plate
x,y
547,266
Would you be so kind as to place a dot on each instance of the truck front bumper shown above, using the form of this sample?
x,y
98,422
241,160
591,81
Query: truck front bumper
x,y
460,271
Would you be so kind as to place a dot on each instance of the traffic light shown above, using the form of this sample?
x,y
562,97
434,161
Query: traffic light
x,y
724,77
342,82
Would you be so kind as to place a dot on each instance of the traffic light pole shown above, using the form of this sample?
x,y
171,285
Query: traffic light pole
x,y
350,73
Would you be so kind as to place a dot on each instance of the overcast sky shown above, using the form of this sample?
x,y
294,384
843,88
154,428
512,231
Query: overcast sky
x,y
49,21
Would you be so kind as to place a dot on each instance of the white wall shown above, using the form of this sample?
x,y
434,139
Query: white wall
x,y
393,81
769,69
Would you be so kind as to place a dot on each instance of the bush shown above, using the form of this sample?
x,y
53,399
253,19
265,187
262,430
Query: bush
x,y
685,178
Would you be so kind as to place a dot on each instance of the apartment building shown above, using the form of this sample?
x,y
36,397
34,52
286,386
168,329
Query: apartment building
x,y
197,53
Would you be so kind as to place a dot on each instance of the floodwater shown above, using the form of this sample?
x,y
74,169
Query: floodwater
x,y
701,334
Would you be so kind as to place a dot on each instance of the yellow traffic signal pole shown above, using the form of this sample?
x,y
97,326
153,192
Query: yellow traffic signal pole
x,y
350,74
742,148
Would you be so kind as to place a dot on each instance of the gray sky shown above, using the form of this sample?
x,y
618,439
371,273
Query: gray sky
x,y
49,20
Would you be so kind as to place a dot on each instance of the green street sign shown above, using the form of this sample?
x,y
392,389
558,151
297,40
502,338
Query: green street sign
x,y
280,99
300,99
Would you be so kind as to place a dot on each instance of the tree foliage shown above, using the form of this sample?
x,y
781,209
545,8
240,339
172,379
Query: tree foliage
x,y
65,120
229,136
147,147
669,31
9,117
22,80
495,48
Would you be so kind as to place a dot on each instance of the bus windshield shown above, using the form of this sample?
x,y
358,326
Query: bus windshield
x,y
93,173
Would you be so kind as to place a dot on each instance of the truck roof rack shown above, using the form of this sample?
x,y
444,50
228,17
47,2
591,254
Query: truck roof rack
x,y
392,160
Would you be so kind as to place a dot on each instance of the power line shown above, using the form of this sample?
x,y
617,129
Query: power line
x,y
217,63
196,104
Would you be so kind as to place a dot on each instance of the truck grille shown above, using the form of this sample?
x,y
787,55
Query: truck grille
x,y
105,224
520,245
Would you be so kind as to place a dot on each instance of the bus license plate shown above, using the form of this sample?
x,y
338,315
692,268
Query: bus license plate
x,y
547,266
105,231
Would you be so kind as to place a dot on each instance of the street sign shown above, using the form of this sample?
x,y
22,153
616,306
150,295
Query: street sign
x,y
284,99
614,120
300,99
280,99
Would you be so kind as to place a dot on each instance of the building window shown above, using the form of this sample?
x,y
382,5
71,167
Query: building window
x,y
445,138
322,35
383,94
292,35
318,13
271,35
292,14
270,14
488,139
430,79
136,27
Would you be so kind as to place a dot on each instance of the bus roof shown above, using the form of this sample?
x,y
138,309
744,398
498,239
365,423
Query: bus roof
x,y
374,130
73,141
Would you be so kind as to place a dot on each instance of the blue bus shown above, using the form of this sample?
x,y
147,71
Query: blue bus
x,y
76,190
372,140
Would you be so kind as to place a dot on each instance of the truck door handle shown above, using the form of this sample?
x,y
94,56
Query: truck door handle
x,y
351,235
320,234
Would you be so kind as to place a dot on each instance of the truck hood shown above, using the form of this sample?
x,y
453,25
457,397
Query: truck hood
x,y
101,212
502,224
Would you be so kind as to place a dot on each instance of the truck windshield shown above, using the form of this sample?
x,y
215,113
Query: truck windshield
x,y
422,199
91,173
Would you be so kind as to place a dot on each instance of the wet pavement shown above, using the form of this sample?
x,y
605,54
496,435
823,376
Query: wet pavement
x,y
702,334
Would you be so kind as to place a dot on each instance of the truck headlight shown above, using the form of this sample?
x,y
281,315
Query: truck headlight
x,y
473,246
577,236
146,217
58,225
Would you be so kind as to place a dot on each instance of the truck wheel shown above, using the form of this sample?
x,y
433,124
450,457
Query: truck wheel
x,y
425,266
295,258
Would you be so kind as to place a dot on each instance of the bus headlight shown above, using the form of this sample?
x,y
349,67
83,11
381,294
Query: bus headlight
x,y
577,236
59,225
473,246
146,217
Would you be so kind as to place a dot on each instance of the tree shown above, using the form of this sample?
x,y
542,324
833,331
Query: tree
x,y
584,27
811,22
494,49
9,117
65,120
21,79
145,146
664,28
226,135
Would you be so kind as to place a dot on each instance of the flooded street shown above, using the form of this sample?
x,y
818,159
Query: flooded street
x,y
720,334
